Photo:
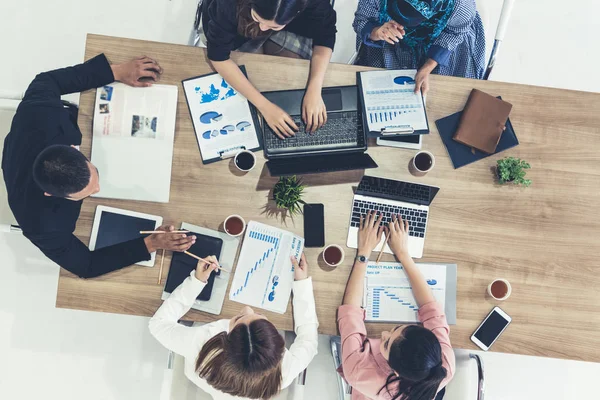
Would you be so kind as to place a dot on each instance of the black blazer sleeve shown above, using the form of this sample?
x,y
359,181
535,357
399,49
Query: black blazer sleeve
x,y
74,256
316,22
220,28
52,84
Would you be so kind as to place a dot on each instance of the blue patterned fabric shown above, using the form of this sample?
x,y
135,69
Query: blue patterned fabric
x,y
459,47
423,21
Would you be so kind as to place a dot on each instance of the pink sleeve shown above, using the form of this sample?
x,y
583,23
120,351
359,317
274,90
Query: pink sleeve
x,y
433,318
351,322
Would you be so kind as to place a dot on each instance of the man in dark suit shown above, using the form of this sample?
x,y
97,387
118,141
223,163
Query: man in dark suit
x,y
47,178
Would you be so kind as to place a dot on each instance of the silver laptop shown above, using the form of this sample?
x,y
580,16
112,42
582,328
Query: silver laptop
x,y
390,197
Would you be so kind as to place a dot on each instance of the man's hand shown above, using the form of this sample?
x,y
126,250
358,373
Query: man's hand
x,y
139,72
392,32
398,237
203,270
314,111
369,233
169,241
300,269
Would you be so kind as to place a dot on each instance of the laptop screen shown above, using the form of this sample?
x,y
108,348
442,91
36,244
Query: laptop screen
x,y
332,99
409,192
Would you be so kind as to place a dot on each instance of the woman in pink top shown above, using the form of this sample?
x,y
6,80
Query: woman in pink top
x,y
411,362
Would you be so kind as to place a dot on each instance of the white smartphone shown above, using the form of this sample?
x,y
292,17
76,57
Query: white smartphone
x,y
491,328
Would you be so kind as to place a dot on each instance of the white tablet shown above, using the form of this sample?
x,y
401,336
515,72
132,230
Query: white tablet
x,y
405,142
114,225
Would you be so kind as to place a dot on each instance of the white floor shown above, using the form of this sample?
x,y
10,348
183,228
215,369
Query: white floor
x,y
52,353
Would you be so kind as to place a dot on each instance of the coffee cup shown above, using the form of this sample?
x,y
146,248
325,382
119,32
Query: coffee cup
x,y
422,163
244,160
333,255
499,289
234,225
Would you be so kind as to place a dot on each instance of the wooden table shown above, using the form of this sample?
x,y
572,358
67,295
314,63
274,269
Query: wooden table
x,y
543,239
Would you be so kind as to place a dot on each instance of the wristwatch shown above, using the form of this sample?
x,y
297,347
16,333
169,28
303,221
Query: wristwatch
x,y
362,259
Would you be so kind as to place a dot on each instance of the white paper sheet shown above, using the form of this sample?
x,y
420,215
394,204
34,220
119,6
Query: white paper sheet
x,y
221,116
132,145
264,272
390,101
388,294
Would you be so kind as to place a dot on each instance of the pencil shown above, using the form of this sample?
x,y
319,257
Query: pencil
x,y
150,232
202,259
382,248
162,262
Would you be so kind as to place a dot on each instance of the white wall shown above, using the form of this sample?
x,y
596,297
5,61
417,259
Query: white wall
x,y
62,354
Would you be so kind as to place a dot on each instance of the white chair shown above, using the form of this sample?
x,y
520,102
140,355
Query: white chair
x,y
9,101
489,11
468,382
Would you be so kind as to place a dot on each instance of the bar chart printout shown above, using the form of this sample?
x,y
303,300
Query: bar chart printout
x,y
388,294
264,273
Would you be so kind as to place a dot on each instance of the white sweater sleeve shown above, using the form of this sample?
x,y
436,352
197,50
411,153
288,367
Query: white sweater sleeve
x,y
304,348
183,340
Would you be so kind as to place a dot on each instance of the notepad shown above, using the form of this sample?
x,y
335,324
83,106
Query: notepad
x,y
390,105
388,295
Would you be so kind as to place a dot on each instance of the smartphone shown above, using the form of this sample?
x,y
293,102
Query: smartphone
x,y
314,225
491,328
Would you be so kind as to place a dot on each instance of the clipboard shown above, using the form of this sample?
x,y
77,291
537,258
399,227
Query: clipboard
x,y
392,130
209,123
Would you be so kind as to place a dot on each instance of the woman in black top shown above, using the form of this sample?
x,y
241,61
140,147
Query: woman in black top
x,y
284,27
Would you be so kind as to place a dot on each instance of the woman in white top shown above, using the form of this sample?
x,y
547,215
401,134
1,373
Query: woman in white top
x,y
243,357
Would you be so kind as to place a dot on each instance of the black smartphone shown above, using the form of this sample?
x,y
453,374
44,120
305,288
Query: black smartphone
x,y
314,225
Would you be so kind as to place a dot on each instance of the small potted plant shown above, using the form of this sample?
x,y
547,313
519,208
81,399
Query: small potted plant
x,y
513,170
287,194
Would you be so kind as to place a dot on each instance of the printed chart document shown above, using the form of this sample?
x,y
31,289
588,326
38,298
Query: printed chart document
x,y
390,105
264,273
132,144
223,119
388,294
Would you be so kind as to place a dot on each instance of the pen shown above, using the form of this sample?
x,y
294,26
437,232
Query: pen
x,y
202,259
150,232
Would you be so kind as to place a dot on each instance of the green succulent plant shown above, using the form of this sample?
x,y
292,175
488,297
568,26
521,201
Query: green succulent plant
x,y
513,170
287,194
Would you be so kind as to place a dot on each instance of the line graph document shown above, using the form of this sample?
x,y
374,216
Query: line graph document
x,y
264,272
388,294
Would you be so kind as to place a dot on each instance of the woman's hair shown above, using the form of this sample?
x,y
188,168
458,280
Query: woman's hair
x,y
245,362
280,11
416,356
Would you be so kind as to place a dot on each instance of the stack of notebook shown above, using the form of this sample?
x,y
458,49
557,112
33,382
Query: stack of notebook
x,y
480,130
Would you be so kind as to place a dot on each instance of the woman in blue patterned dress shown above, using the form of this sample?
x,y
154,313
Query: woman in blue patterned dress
x,y
440,36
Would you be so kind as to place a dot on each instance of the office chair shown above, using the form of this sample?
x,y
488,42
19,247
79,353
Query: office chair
x,y
485,9
467,384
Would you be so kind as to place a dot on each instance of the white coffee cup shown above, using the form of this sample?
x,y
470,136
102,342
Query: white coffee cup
x,y
342,255
508,289
235,232
246,155
421,170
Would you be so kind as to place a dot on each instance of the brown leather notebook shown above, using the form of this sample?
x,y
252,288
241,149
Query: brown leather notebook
x,y
482,121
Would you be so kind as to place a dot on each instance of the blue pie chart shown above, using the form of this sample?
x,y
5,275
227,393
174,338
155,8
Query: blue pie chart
x,y
404,80
210,117
243,125
206,135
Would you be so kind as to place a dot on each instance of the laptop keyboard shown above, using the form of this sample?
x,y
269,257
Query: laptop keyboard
x,y
340,131
396,189
417,219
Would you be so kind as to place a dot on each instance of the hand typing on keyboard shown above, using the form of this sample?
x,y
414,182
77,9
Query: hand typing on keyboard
x,y
314,111
398,237
278,120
